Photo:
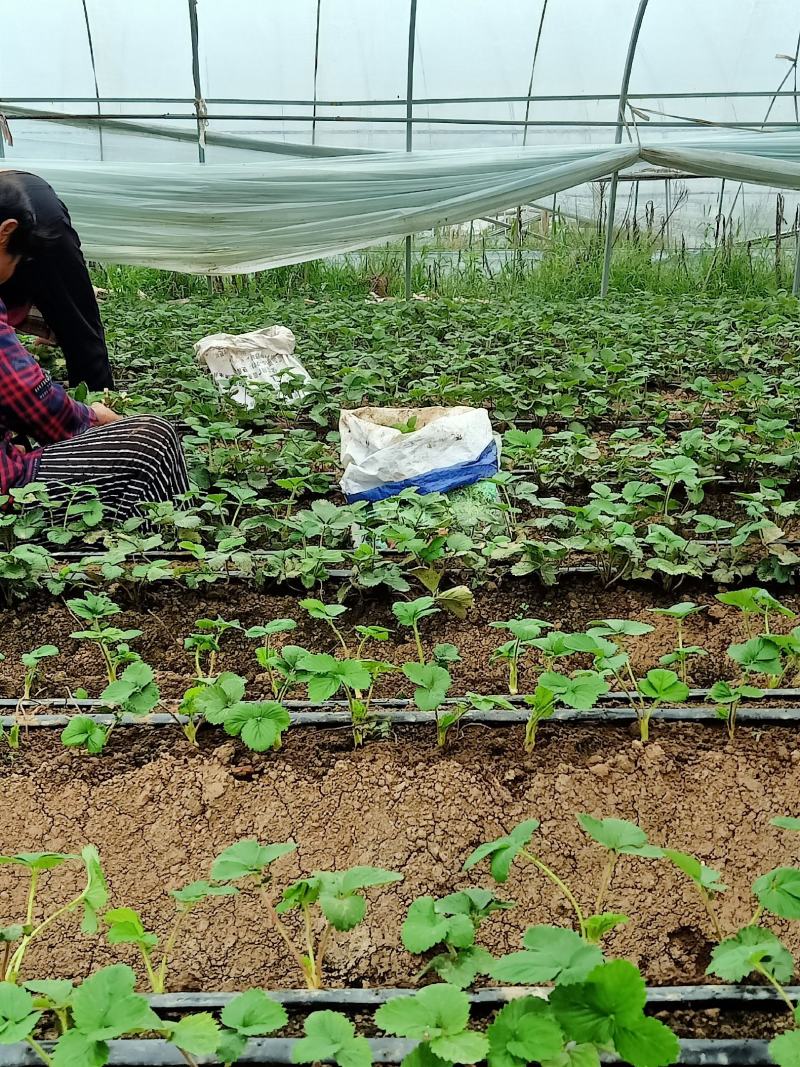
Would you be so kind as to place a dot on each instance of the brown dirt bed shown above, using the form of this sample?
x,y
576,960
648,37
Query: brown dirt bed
x,y
159,812
167,616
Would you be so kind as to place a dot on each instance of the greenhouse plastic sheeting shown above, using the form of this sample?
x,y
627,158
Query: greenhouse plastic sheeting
x,y
228,218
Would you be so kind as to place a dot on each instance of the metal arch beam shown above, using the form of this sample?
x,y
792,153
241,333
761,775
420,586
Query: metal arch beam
x,y
623,101
412,38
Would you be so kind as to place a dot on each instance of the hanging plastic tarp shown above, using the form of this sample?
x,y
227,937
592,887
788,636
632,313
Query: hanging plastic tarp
x,y
231,218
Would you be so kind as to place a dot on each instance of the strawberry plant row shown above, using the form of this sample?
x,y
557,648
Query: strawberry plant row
x,y
144,1053
590,999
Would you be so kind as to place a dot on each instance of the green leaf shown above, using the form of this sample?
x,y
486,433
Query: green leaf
x,y
56,992
504,850
260,724
785,1049
38,861
423,928
409,612
246,858
705,877
198,1033
195,892
597,926
786,822
779,892
95,896
580,691
524,1031
18,1017
736,957
83,732
648,1043
317,610
75,1049
661,684
276,626
465,1047
126,927
608,1008
575,1056
759,655
619,836
551,954
753,600
432,682
431,1012
331,1036
462,969
10,934
618,628
105,1005
253,1013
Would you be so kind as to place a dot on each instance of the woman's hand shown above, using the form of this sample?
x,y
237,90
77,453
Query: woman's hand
x,y
104,415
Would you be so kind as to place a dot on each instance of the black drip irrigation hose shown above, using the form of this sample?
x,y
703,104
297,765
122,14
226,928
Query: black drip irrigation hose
x,y
277,1050
394,716
680,996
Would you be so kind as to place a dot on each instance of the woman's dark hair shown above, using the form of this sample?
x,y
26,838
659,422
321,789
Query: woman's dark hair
x,y
16,204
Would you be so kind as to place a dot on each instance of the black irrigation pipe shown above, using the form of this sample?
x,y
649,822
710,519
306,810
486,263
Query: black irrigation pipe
x,y
714,1053
326,719
276,1050
662,997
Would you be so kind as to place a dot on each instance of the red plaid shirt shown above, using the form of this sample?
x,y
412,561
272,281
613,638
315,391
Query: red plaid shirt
x,y
31,404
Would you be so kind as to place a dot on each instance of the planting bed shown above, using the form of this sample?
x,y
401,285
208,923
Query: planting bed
x,y
159,812
393,744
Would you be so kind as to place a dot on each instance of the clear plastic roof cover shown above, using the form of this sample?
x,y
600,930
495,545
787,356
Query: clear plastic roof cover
x,y
486,73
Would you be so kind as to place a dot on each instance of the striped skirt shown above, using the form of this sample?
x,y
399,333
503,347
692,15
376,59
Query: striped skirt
x,y
130,462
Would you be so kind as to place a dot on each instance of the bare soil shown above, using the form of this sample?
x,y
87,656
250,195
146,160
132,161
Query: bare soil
x,y
167,616
159,812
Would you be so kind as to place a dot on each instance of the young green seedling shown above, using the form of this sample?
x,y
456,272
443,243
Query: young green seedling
x,y
502,853
335,896
111,640
133,693
259,723
759,656
326,675
451,923
727,699
454,713
32,661
755,601
658,687
250,1014
542,702
206,642
410,613
327,613
682,652
438,1017
282,667
523,631
620,838
125,927
705,880
91,899
102,1008
265,653
330,1037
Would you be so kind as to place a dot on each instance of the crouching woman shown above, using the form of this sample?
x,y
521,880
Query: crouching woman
x,y
129,461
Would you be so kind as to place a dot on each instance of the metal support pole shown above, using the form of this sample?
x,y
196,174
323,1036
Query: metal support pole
x,y
796,281
623,101
94,76
412,34
199,102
